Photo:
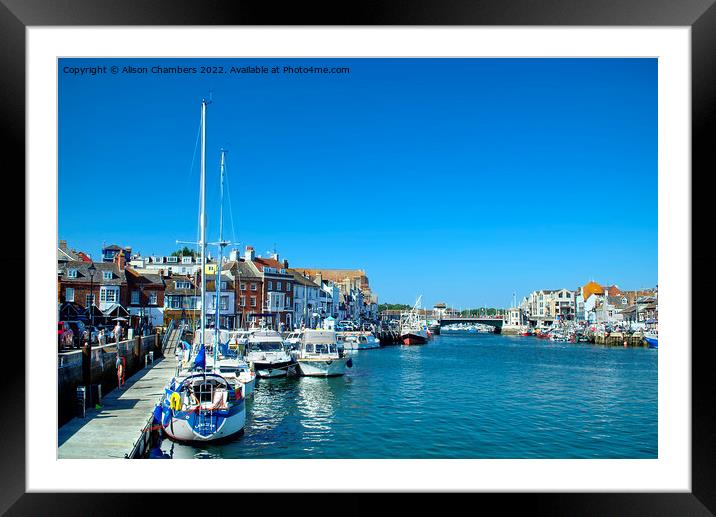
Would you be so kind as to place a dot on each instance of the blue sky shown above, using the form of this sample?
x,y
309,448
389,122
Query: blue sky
x,y
463,180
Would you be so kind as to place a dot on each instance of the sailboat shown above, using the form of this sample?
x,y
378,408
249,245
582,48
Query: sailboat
x,y
202,403
413,326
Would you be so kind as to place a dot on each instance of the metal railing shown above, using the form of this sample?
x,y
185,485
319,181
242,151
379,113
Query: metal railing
x,y
167,333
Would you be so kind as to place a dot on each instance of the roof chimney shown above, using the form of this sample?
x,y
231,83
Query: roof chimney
x,y
249,254
120,260
63,245
285,264
234,254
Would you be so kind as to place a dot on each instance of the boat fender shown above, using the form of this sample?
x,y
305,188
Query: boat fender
x,y
175,401
237,394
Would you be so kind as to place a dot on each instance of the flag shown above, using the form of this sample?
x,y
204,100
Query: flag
x,y
200,359
157,420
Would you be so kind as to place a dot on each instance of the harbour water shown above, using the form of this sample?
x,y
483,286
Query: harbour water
x,y
462,395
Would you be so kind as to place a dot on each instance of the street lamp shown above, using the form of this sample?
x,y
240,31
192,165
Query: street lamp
x,y
87,352
141,304
91,269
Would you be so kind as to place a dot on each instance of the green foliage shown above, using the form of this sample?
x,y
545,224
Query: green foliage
x,y
184,252
394,307
481,311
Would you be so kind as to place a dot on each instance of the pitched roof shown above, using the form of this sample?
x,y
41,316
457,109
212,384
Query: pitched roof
x,y
300,279
82,268
241,268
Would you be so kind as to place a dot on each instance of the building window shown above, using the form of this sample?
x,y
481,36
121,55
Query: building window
x,y
270,285
135,297
152,298
182,285
70,294
243,287
253,301
288,287
278,286
89,300
71,273
106,275
108,295
223,286
243,301
186,260
224,303
253,287
172,260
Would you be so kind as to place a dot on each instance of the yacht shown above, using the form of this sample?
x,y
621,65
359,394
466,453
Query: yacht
x,y
318,355
202,404
268,356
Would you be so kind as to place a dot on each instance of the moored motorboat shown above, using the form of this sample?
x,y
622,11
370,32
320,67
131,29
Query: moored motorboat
x,y
267,355
318,355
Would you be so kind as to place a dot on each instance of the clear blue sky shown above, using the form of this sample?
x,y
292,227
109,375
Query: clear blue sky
x,y
460,179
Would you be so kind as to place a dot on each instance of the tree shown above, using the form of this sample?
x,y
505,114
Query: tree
x,y
394,307
184,252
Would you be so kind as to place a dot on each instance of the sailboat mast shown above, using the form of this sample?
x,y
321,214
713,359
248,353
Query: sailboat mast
x,y
202,223
218,269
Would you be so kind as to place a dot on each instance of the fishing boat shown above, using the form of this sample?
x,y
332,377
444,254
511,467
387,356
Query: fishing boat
x,y
268,356
202,404
318,355
652,339
413,327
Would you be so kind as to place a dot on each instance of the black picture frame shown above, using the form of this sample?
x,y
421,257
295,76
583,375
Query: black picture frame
x,y
700,15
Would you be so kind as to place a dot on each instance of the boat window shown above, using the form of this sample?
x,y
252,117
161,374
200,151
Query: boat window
x,y
269,347
332,349
321,349
309,347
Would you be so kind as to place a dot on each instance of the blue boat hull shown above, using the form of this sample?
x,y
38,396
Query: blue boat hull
x,y
652,342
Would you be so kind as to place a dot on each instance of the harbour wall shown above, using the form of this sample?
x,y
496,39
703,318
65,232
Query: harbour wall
x,y
103,367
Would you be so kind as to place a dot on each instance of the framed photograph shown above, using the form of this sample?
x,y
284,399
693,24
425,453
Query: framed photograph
x,y
433,251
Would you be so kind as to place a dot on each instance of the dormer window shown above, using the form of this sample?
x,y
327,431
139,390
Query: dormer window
x,y
182,285
106,275
71,273
172,260
223,286
186,260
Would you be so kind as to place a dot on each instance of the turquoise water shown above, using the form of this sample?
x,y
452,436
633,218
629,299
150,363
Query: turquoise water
x,y
460,396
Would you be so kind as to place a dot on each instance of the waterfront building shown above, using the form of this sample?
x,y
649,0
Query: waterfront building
x,y
248,289
146,296
277,284
226,304
108,288
182,299
357,300
167,264
307,301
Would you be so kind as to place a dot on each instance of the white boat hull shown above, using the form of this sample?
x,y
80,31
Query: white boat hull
x,y
323,368
188,426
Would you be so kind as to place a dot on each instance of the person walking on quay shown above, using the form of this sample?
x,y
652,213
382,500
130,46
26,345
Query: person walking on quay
x,y
119,363
117,332
100,337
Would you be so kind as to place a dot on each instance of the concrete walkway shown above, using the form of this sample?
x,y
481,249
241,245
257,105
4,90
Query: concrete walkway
x,y
112,431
